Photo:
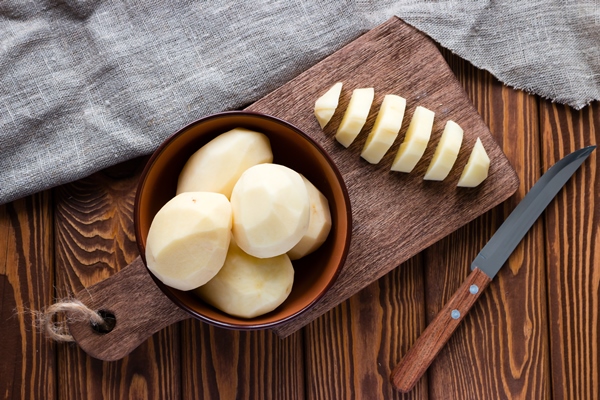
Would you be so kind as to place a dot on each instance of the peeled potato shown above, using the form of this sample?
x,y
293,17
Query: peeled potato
x,y
415,141
188,239
446,152
248,286
319,224
355,116
477,167
271,210
217,165
386,128
325,105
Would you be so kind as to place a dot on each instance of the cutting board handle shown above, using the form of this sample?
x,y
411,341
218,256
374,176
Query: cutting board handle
x,y
140,309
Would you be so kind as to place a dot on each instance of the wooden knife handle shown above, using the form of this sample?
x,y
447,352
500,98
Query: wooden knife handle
x,y
416,361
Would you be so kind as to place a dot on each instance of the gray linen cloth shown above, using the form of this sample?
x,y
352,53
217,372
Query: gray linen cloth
x,y
87,84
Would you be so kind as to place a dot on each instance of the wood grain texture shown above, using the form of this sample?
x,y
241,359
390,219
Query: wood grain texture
x,y
94,240
27,360
221,364
392,211
573,255
416,361
351,349
500,350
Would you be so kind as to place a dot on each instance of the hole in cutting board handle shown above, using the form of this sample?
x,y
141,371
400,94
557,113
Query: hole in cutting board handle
x,y
109,322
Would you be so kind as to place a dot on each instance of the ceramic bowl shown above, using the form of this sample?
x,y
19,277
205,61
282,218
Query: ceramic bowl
x,y
314,273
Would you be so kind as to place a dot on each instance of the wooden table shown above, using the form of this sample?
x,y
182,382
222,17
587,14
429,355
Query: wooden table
x,y
534,334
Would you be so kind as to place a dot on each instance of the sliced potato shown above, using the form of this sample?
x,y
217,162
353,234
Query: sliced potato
x,y
477,167
386,128
188,239
248,286
319,224
326,105
271,210
417,136
217,165
355,116
446,152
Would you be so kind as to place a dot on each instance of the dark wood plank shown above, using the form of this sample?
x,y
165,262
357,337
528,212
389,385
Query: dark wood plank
x,y
219,364
351,349
27,359
395,215
500,351
573,254
95,239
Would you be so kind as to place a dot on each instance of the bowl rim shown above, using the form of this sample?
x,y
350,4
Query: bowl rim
x,y
168,291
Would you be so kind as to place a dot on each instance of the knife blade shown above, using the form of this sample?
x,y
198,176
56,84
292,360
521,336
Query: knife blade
x,y
484,267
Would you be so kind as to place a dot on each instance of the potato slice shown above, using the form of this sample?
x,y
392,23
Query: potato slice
x,y
477,167
319,224
271,210
217,165
326,105
248,286
355,116
188,239
446,152
415,142
386,128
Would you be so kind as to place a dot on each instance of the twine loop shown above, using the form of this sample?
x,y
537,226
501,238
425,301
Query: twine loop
x,y
74,311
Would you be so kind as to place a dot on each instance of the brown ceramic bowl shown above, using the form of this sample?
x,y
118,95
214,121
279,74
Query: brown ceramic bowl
x,y
315,273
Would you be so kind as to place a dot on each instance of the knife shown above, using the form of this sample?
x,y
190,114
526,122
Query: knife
x,y
485,266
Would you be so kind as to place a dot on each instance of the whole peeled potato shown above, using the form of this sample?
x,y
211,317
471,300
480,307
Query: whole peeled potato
x,y
271,210
248,286
188,239
217,165
318,226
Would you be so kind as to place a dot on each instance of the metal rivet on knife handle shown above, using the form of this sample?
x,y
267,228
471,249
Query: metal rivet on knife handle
x,y
485,266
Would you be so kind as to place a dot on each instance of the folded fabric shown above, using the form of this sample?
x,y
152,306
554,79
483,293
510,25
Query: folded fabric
x,y
87,84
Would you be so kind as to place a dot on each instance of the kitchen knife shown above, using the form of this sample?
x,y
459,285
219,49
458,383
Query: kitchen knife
x,y
485,266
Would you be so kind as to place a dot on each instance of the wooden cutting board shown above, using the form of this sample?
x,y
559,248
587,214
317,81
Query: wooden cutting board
x,y
394,215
